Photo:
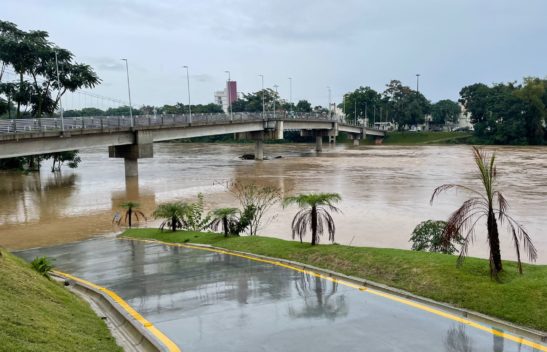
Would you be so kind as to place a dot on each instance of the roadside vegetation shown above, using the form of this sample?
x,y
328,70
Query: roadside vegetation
x,y
39,314
413,138
516,298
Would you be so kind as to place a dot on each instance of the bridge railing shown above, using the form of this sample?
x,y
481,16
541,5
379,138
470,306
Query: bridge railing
x,y
124,122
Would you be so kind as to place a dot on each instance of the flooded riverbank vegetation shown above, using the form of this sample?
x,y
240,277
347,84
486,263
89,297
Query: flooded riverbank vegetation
x,y
515,298
39,314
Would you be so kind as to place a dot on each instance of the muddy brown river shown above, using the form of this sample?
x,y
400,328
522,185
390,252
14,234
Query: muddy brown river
x,y
385,190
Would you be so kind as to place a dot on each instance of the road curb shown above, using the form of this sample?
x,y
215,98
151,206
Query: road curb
x,y
494,323
135,335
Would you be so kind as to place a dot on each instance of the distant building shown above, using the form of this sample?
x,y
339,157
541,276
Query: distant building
x,y
226,96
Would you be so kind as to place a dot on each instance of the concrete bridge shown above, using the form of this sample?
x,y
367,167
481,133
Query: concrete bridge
x,y
133,140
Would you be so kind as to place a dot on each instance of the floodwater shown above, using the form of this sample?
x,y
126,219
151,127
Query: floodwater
x,y
205,301
385,190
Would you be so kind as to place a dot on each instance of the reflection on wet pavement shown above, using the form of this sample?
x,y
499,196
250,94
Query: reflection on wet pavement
x,y
207,301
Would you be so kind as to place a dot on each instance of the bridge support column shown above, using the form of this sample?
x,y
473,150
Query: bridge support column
x,y
259,149
131,167
356,141
143,148
318,143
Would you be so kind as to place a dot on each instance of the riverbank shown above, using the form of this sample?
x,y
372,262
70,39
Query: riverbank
x,y
520,299
40,315
417,138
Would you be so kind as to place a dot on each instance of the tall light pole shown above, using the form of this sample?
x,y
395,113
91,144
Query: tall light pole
x,y
188,84
129,93
58,87
275,98
290,93
418,82
263,99
328,88
229,94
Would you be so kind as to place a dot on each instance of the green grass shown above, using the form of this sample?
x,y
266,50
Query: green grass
x,y
38,314
411,138
521,299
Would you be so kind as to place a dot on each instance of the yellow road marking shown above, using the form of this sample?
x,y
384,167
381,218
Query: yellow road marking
x,y
171,346
392,297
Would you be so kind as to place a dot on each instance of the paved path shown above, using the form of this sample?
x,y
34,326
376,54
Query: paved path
x,y
207,301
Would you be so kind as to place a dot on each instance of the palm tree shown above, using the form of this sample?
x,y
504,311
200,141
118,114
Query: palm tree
x,y
490,204
314,214
131,210
225,217
173,213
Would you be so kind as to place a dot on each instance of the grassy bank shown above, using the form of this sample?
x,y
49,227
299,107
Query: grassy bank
x,y
40,315
411,138
521,299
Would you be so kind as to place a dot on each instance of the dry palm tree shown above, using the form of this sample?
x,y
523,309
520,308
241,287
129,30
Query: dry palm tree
x,y
225,217
314,214
490,204
131,210
173,213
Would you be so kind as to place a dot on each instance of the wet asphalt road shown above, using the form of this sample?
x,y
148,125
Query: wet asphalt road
x,y
206,301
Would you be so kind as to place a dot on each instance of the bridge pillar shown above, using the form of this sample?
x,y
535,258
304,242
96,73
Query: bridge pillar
x,y
356,141
319,143
259,149
131,167
143,148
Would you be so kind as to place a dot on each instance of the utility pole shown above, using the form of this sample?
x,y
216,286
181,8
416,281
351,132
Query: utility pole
x,y
263,99
418,82
188,83
129,93
58,87
275,98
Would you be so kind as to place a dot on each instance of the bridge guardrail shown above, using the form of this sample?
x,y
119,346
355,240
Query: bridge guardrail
x,y
114,122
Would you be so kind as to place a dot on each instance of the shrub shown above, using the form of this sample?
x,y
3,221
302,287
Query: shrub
x,y
428,236
42,265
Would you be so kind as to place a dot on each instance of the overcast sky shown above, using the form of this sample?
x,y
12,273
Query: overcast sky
x,y
343,44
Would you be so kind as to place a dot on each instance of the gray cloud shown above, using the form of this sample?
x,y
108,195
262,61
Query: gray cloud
x,y
342,44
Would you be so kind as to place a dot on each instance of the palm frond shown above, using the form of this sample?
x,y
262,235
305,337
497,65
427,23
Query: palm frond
x,y
449,186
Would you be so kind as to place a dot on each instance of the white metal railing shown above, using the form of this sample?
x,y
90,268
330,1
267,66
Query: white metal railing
x,y
140,121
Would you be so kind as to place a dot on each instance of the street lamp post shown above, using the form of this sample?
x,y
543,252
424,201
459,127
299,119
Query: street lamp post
x,y
418,82
129,93
58,87
263,99
188,84
328,88
290,93
275,98
229,95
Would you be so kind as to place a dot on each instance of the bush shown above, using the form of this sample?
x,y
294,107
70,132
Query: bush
x,y
428,236
43,265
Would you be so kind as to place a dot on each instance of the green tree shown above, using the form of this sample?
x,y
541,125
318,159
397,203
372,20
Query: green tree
x,y
32,54
194,217
428,236
173,215
489,204
252,102
303,106
314,215
406,106
232,220
445,111
71,157
361,103
224,218
131,210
